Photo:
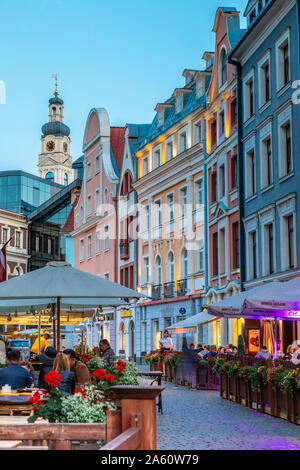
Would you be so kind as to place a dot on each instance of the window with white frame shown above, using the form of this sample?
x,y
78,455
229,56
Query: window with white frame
x,y
199,186
89,170
146,271
4,237
97,164
158,270
283,60
184,264
182,142
106,238
221,123
81,249
222,68
81,212
18,239
249,96
89,246
169,150
269,248
145,165
184,201
89,205
264,80
160,117
97,200
252,254
267,162
286,164
171,267
198,132
179,103
157,158
98,242
222,181
200,88
170,201
222,251
250,173
201,257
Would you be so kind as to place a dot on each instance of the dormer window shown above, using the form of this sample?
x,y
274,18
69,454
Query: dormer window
x,y
160,116
200,88
259,5
252,16
179,103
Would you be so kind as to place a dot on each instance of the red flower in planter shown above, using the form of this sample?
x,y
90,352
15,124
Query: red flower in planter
x,y
99,374
35,399
110,378
79,390
84,359
52,379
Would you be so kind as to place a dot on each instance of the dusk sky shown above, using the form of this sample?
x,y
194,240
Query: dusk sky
x,y
125,56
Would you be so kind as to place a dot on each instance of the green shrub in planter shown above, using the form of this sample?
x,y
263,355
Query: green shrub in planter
x,y
202,364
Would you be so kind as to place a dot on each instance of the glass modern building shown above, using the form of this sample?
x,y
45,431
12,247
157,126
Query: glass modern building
x,y
22,192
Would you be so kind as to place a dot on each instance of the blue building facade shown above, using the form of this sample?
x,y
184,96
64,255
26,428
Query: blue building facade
x,y
21,192
267,60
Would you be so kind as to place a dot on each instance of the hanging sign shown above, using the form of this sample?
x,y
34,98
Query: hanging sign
x,y
126,313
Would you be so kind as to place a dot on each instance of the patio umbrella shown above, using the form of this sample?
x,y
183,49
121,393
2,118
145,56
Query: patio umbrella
x,y
191,324
59,280
272,301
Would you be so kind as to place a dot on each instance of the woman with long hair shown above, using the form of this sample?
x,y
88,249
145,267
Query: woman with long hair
x,y
61,366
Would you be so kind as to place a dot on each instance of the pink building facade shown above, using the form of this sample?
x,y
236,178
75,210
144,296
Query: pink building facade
x,y
95,215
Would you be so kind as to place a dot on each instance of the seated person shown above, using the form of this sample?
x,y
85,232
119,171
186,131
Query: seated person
x,y
47,359
28,366
264,353
61,366
107,353
14,374
82,375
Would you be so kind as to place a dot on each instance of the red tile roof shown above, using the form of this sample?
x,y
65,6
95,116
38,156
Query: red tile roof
x,y
117,140
70,223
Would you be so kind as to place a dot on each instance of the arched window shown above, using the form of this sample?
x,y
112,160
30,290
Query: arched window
x,y
66,179
223,66
158,271
53,110
184,264
171,267
122,336
50,176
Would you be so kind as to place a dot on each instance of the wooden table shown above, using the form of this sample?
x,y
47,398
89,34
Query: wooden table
x,y
156,376
15,402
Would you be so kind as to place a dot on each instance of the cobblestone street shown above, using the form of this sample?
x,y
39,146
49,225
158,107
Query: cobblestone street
x,y
201,420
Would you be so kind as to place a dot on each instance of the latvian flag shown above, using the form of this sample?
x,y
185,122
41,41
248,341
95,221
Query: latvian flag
x,y
3,263
3,270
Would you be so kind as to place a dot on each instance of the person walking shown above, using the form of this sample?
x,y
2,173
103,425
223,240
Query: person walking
x,y
166,345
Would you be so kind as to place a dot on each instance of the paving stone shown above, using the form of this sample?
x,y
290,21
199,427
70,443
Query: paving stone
x,y
196,420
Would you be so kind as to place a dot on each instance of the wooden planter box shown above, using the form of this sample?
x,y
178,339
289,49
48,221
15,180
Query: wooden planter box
x,y
269,400
132,427
202,377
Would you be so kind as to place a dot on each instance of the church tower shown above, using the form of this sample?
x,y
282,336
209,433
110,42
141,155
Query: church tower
x,y
55,162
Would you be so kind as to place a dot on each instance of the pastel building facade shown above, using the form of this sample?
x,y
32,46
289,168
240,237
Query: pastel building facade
x,y
170,194
223,269
128,213
95,215
267,59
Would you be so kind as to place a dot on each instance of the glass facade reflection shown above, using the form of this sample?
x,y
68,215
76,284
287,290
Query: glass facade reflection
x,y
22,192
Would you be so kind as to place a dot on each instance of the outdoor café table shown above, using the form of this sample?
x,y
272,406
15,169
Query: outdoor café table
x,y
15,402
156,376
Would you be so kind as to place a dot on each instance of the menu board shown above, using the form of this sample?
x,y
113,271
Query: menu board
x,y
253,341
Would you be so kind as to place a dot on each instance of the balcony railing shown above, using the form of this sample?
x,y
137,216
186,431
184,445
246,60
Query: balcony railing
x,y
169,290
181,288
157,292
124,250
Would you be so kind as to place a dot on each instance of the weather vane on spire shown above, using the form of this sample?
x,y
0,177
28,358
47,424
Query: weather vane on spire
x,y
56,85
